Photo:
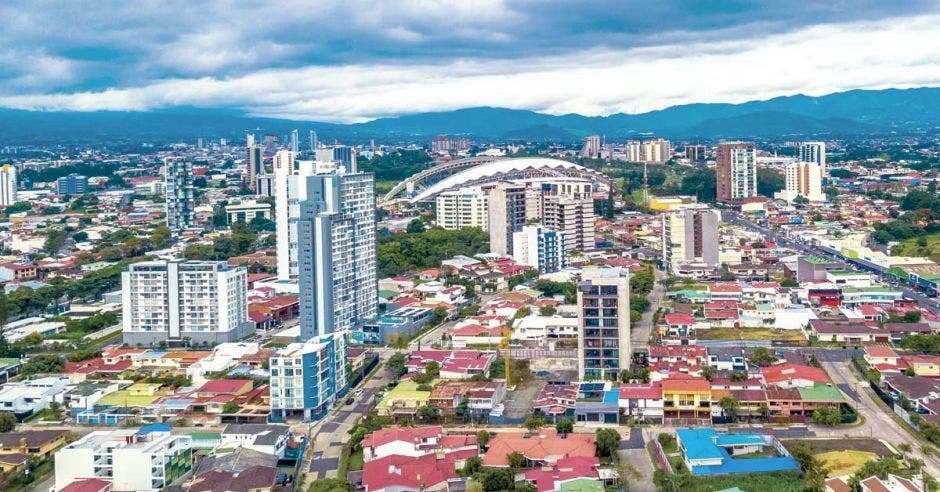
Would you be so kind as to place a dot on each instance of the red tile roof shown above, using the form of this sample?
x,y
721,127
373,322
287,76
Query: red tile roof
x,y
406,434
787,372
407,472
546,446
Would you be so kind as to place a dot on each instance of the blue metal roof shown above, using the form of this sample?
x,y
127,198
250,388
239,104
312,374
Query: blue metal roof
x,y
738,439
707,444
147,429
612,396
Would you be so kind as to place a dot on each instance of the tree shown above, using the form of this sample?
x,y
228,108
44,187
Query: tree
x,y
789,282
7,422
608,441
912,317
396,364
160,237
564,426
830,416
230,407
55,410
331,485
416,226
472,465
813,470
43,363
769,181
880,468
429,413
729,406
516,460
547,310
534,422
494,479
738,376
55,239
483,437
433,369
708,372
763,411
762,357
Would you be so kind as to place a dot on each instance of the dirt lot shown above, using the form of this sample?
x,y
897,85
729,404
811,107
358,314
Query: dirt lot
x,y
519,401
819,446
750,334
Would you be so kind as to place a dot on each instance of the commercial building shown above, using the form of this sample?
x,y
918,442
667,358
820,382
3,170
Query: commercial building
x,y
180,201
337,255
506,215
145,459
803,179
690,235
592,146
247,211
307,378
73,184
814,152
696,153
7,185
255,165
540,247
603,323
464,207
169,301
23,398
736,171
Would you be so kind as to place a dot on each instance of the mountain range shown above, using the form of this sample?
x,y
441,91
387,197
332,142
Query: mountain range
x,y
855,112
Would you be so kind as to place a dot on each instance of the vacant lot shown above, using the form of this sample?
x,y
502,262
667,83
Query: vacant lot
x,y
928,245
750,334
819,446
845,462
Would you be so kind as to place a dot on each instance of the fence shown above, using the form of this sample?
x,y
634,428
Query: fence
x,y
660,456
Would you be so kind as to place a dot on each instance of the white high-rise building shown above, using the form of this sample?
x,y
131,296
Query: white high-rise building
x,y
603,323
592,146
814,152
690,235
736,171
7,185
131,459
308,377
540,247
803,179
633,151
172,301
461,208
336,251
655,151
180,199
294,141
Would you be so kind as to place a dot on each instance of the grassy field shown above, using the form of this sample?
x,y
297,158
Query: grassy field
x,y
845,462
927,245
820,446
750,334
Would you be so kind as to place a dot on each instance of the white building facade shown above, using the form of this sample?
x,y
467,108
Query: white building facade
x,y
540,247
170,301
462,208
307,378
7,185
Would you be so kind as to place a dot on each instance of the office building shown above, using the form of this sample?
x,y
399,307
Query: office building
x,y
202,302
465,207
736,171
307,378
71,185
180,200
696,153
255,165
294,141
603,323
246,211
7,185
592,147
803,179
814,152
506,215
346,156
690,235
145,459
540,247
264,185
336,251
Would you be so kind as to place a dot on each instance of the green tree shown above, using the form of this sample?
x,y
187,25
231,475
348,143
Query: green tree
x,y
472,465
564,426
416,226
7,422
432,369
160,237
429,413
55,240
43,364
762,357
880,468
230,407
708,372
729,406
608,441
331,485
813,469
830,416
396,364
534,422
516,460
494,479
547,310
483,437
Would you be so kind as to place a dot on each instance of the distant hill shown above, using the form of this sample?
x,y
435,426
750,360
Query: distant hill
x,y
844,113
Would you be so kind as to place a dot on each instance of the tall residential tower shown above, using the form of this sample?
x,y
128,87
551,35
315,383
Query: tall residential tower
x,y
180,200
736,171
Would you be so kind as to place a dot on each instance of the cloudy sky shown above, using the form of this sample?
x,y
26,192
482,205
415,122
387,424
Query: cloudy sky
x,y
355,60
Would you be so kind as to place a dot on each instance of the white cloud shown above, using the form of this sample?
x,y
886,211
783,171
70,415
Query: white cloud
x,y
817,60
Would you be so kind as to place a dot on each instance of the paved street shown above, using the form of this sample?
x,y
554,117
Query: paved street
x,y
640,332
879,422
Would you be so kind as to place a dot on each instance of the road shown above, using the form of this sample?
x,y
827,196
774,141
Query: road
x,y
879,423
928,303
640,332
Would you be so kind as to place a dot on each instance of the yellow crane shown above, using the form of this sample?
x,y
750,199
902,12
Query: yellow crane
x,y
504,344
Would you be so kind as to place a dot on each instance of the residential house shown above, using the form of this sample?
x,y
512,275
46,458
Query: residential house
x,y
543,449
264,438
642,402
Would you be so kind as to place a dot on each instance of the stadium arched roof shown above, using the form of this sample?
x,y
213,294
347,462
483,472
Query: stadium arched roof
x,y
512,170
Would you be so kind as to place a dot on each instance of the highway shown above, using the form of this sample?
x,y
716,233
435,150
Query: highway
x,y
924,301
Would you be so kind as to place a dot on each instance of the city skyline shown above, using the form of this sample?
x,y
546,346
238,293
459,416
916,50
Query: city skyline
x,y
403,60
